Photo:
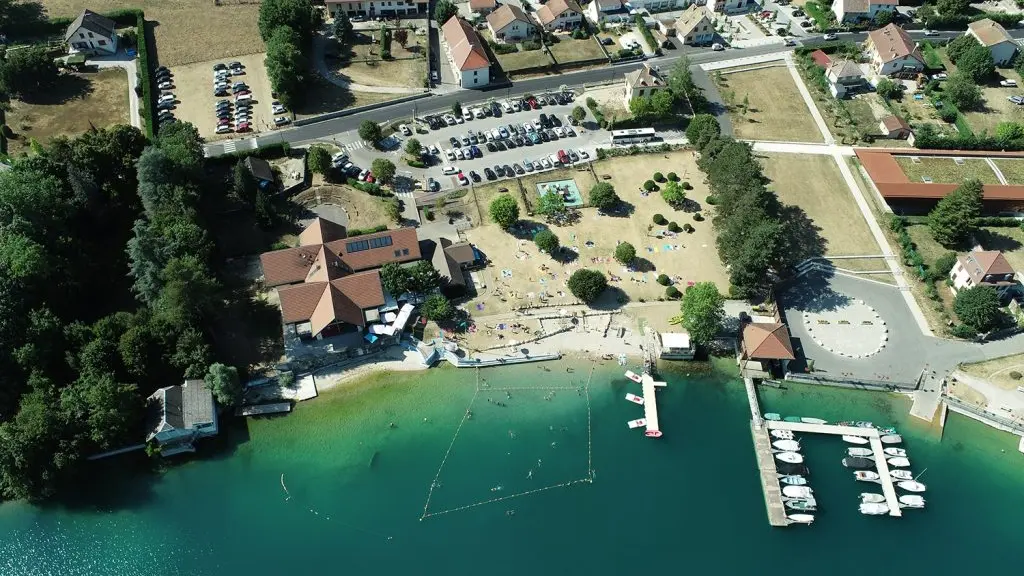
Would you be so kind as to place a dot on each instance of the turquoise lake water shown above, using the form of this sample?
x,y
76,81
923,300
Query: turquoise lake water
x,y
689,502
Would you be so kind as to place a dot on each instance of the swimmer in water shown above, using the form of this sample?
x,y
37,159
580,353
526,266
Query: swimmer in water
x,y
529,474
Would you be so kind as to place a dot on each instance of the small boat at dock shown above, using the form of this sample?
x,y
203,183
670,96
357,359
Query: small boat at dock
x,y
633,376
637,423
635,399
800,518
885,431
871,497
856,462
866,476
787,445
901,474
809,505
813,421
894,451
860,452
911,501
793,480
873,508
855,439
911,486
787,435
898,461
790,457
863,424
772,416
797,491
891,439
791,419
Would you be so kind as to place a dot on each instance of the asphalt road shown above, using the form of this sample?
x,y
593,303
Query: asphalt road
x,y
443,102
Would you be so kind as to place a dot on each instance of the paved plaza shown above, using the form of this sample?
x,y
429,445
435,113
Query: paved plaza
x,y
852,329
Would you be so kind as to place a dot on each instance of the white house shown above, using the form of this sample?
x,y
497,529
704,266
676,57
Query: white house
x,y
466,53
892,51
732,6
372,8
983,268
510,24
850,11
694,26
994,37
92,34
843,76
676,346
658,5
180,415
607,11
643,82
560,15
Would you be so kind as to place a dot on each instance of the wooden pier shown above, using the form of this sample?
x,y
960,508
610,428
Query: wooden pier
x,y
873,436
769,476
261,409
648,385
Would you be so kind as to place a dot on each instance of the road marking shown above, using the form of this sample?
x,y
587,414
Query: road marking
x,y
230,147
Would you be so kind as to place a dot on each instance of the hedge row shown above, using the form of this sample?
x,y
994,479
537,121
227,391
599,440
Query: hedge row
x,y
930,140
267,152
362,232
960,21
984,222
147,106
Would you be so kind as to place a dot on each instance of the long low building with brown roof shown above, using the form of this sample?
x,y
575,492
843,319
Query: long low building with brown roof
x,y
466,53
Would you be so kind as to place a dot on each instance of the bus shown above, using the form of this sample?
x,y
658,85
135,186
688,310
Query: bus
x,y
633,136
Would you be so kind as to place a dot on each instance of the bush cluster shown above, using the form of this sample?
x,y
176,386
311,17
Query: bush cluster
x,y
660,220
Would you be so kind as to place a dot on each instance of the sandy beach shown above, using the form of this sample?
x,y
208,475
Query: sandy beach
x,y
393,359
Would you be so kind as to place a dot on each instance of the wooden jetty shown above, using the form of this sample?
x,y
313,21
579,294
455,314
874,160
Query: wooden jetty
x,y
261,409
769,476
648,385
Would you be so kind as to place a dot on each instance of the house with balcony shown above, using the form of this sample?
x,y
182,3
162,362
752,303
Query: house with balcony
x,y
984,268
560,15
843,77
892,52
608,11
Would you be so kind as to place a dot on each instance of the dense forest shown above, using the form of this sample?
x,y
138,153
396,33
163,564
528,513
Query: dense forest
x,y
104,284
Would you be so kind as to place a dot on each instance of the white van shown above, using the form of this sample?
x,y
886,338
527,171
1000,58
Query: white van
x,y
449,170
244,98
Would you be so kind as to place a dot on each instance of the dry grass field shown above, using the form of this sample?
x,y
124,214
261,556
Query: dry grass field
x,y
997,371
523,60
194,89
522,275
186,31
361,64
1008,239
363,211
775,109
78,102
995,107
568,50
320,97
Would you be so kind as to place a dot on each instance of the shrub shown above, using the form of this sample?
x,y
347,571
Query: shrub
x,y
659,177
591,103
428,214
546,241
944,264
504,211
625,253
649,185
711,200
530,45
660,220
963,331
688,228
673,176
686,186
673,227
587,285
672,293
698,217
416,163
503,48
664,280
1014,375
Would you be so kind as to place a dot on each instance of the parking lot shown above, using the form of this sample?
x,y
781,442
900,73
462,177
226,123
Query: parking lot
x,y
195,102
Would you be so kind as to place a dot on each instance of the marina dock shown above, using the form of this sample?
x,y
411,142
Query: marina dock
x,y
888,489
769,476
648,385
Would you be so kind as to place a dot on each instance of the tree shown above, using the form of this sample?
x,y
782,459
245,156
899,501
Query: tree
x,y
977,63
682,87
551,205
244,183
395,279
317,158
958,46
603,197
547,241
504,210
189,291
286,65
953,7
703,311
342,27
962,91
625,253
413,147
423,277
370,132
978,307
296,15
223,381
578,113
27,72
887,89
673,194
393,210
444,10
437,308
587,285
702,129
661,104
952,219
105,407
883,18
456,106
1007,131
402,36
383,170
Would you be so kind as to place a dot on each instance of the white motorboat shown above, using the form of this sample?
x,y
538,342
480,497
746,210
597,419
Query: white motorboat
x,y
790,457
797,491
911,501
871,497
782,434
912,486
901,474
772,416
891,439
862,452
894,451
873,508
898,461
787,445
866,476
800,518
806,504
813,421
793,480
855,439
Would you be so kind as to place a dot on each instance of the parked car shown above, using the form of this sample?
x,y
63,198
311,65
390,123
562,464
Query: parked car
x,y
449,154
559,132
220,66
478,113
930,33
449,119
465,141
569,131
489,174
545,162
717,47
462,179
476,152
239,86
806,24
506,107
236,64
339,158
798,12
405,130
584,155
165,85
495,109
607,41
789,42
1018,100
466,115
518,169
528,165
474,175
499,170
165,105
166,98
459,154
243,127
433,185
1008,83
223,129
434,150
830,36
163,69
940,76
278,109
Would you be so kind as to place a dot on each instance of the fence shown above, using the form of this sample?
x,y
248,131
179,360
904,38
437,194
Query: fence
x,y
855,383
972,411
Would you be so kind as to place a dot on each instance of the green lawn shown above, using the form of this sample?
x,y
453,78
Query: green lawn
x,y
820,15
569,50
932,55
523,60
946,170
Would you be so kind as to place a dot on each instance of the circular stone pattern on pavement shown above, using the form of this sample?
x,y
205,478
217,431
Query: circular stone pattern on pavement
x,y
853,329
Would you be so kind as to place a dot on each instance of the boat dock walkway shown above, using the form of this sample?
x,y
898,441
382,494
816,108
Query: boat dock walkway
x,y
648,385
876,446
261,409
755,408
769,476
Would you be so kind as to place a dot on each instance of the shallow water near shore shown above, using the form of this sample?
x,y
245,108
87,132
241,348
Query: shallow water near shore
x,y
334,487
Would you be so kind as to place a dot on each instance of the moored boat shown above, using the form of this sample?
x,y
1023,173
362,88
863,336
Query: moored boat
x,y
790,457
855,439
873,508
898,461
871,497
911,486
800,518
772,416
793,480
855,462
804,504
891,439
911,501
889,430
791,419
786,435
863,424
797,491
861,452
787,445
901,474
866,476
894,451
813,421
